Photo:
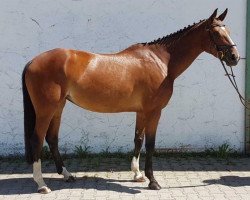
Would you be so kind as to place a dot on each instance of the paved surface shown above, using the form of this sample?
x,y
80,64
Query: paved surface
x,y
110,178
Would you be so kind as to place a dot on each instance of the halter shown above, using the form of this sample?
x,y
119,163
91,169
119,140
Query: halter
x,y
221,51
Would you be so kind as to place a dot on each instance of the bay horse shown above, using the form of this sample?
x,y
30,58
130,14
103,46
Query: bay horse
x,y
138,79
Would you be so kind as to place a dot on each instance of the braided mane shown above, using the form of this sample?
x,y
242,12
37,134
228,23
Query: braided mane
x,y
169,39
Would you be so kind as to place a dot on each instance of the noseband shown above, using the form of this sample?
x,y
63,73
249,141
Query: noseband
x,y
221,51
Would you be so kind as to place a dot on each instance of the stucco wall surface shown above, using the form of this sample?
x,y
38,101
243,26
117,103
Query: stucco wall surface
x,y
204,111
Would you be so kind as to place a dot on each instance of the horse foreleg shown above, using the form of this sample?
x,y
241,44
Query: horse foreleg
x,y
52,140
139,137
152,123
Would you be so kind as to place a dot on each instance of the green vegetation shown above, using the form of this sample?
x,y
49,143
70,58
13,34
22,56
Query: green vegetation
x,y
224,151
81,152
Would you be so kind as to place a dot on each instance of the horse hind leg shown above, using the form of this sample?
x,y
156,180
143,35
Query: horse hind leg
x,y
37,139
138,140
44,116
52,140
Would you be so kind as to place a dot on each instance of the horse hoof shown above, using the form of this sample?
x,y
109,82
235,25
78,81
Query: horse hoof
x,y
71,179
154,186
44,190
139,179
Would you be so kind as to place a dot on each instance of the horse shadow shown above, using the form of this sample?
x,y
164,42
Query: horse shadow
x,y
16,186
232,181
26,185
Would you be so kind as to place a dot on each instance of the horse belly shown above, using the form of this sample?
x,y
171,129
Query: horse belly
x,y
105,102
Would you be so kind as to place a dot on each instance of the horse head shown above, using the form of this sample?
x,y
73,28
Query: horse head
x,y
218,40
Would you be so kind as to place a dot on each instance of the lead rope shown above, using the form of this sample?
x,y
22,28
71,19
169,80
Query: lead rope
x,y
231,77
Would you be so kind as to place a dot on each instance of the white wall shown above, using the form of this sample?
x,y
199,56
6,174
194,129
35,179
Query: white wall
x,y
204,110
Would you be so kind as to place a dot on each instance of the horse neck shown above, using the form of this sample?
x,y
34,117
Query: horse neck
x,y
184,51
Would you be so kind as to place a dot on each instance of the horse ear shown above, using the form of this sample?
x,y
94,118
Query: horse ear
x,y
223,15
212,17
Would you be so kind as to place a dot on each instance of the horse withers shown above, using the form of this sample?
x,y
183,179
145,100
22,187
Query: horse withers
x,y
138,79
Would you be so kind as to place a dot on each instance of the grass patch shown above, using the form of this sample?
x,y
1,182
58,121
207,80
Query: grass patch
x,y
81,152
223,151
18,158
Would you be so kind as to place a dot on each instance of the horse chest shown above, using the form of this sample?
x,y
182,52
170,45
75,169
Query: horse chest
x,y
162,95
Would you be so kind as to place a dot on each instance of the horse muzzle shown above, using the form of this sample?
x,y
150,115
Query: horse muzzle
x,y
231,60
230,56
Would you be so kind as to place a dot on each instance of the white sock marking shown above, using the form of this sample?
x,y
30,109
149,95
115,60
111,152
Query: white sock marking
x,y
37,174
65,173
135,168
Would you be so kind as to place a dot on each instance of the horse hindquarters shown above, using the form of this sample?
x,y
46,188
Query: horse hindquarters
x,y
32,142
36,119
42,97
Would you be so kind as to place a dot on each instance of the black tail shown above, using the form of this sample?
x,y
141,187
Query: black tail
x,y
29,118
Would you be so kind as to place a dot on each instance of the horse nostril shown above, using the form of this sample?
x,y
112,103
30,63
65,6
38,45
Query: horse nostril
x,y
234,57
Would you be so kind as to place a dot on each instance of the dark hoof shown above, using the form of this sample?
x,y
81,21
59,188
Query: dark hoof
x,y
154,186
71,179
